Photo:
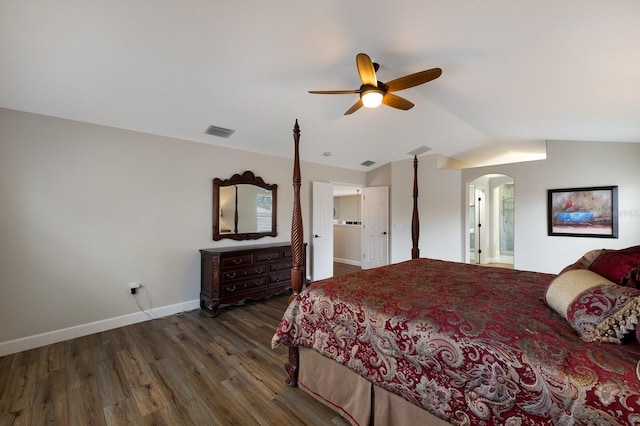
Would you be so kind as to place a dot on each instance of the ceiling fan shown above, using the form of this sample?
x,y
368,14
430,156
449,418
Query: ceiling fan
x,y
373,92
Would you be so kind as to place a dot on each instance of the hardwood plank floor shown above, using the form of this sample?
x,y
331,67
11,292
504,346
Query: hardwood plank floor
x,y
343,268
187,369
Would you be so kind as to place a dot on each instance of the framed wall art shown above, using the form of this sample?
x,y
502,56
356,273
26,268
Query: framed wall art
x,y
583,212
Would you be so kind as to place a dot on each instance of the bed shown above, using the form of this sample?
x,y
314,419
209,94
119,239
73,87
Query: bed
x,y
427,341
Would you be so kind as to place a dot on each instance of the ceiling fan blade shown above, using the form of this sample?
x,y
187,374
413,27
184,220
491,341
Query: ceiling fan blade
x,y
396,101
366,70
334,92
354,107
412,80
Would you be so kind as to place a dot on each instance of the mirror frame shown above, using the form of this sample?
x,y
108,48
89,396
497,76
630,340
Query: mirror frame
x,y
246,178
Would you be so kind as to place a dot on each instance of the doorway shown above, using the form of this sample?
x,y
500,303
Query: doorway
x,y
352,244
491,220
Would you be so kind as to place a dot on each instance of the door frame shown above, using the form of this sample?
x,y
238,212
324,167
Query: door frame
x,y
486,183
359,187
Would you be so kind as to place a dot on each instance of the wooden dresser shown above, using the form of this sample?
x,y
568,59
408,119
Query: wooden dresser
x,y
231,275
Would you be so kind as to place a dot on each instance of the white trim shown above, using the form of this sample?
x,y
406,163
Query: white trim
x,y
38,340
347,261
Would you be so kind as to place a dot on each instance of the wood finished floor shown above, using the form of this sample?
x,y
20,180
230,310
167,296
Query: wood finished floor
x,y
499,265
188,369
343,268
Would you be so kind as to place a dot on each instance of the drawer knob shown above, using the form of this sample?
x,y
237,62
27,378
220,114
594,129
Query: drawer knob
x,y
231,276
237,261
230,289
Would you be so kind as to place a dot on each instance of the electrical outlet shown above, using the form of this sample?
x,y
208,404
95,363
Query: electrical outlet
x,y
133,287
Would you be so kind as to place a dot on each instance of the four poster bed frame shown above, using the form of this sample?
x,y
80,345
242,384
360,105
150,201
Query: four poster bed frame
x,y
471,345
353,392
298,275
297,241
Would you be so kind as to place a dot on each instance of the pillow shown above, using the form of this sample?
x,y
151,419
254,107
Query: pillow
x,y
605,313
615,264
585,260
568,285
596,308
632,279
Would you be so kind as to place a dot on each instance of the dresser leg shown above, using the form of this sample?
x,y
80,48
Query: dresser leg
x,y
209,306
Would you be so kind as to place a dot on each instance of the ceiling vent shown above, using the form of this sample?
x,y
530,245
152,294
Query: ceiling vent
x,y
419,151
219,131
368,163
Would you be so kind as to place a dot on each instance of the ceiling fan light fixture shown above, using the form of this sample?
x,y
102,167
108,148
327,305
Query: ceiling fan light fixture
x,y
372,98
373,92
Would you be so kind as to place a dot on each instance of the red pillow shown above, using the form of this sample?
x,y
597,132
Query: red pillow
x,y
632,279
585,260
614,265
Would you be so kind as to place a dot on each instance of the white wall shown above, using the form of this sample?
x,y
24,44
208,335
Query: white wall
x,y
347,244
442,197
569,165
88,209
439,205
380,176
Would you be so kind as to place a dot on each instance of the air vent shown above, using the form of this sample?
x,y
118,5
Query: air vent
x,y
219,131
368,163
419,150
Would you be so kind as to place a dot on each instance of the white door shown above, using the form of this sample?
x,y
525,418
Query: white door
x,y
375,227
322,231
481,234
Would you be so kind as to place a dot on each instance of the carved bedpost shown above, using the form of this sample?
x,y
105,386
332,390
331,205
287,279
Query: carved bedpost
x,y
415,220
297,247
297,237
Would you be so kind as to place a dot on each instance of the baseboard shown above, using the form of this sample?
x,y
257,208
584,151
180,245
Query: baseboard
x,y
347,261
38,340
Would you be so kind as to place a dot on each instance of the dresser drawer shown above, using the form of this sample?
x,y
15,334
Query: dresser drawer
x,y
280,277
241,286
238,260
243,273
267,256
282,266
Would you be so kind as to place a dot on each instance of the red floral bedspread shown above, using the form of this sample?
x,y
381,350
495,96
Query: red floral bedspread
x,y
472,345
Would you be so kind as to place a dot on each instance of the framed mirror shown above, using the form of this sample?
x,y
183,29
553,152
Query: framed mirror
x,y
244,208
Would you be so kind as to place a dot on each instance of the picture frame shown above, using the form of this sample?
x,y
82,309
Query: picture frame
x,y
583,212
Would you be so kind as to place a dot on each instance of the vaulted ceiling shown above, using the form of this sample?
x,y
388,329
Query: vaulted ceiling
x,y
515,72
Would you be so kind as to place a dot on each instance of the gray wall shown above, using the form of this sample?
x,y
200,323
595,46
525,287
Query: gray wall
x,y
88,209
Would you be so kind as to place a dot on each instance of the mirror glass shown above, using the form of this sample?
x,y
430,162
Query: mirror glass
x,y
244,207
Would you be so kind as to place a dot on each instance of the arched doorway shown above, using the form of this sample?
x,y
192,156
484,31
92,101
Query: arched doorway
x,y
490,220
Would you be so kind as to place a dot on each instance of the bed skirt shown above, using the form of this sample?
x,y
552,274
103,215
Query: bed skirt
x,y
357,400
